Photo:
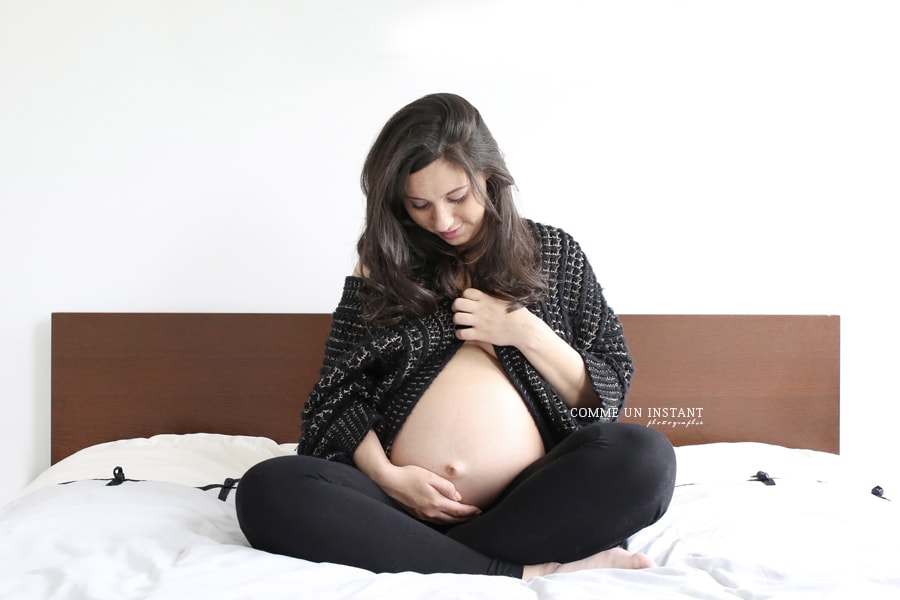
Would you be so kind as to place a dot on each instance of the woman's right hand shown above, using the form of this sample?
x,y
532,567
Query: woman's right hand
x,y
425,495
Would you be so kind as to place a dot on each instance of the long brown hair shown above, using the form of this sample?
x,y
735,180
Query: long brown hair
x,y
408,270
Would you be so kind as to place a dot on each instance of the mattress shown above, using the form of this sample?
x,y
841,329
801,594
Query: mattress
x,y
154,518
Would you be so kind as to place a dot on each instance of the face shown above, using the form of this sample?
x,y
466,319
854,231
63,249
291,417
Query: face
x,y
441,200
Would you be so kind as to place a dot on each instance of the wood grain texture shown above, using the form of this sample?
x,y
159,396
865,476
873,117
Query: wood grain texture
x,y
117,376
772,379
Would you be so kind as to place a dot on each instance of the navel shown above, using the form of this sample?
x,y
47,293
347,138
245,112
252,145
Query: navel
x,y
453,469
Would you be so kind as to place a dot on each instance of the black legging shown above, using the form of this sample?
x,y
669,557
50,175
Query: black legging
x,y
590,493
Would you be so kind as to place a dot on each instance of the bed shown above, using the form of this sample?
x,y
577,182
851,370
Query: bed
x,y
156,416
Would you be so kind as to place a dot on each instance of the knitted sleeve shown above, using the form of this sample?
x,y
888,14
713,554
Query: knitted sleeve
x,y
359,381
576,310
344,404
347,326
596,332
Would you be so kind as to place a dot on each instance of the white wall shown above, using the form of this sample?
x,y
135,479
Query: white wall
x,y
200,155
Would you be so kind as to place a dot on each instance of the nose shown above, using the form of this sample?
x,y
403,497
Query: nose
x,y
443,217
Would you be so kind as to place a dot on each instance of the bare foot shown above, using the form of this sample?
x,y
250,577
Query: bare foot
x,y
614,558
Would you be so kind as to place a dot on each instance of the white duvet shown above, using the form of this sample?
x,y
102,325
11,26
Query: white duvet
x,y
817,533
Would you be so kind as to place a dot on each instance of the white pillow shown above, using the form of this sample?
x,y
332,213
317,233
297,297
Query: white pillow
x,y
194,459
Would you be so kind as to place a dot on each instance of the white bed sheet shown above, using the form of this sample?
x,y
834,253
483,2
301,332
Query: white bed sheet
x,y
818,533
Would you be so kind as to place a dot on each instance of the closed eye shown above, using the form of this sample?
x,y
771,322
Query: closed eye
x,y
420,204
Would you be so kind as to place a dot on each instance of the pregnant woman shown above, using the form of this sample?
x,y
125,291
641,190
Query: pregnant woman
x,y
463,421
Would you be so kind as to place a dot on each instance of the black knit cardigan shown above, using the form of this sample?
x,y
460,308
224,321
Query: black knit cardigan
x,y
372,378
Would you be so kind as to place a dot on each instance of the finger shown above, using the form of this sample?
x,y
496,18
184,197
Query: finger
x,y
443,509
446,488
444,519
473,294
454,514
465,305
463,510
467,334
464,318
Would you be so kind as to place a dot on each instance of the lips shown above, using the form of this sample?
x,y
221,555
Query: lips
x,y
449,235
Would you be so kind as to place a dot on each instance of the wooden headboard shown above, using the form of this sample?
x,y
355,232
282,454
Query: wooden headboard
x,y
699,378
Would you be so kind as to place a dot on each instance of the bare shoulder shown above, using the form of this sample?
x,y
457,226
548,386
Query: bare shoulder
x,y
360,270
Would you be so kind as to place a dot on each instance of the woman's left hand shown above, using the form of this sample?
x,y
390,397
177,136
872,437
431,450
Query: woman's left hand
x,y
487,319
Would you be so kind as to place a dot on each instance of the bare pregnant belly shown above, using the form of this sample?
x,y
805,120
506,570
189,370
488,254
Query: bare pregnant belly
x,y
470,427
